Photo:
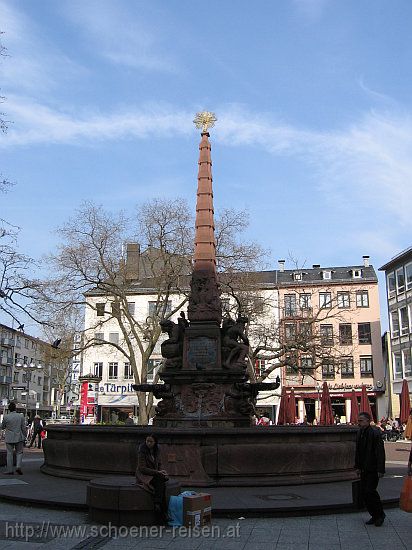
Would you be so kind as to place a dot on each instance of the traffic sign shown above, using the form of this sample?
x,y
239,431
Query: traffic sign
x,y
18,388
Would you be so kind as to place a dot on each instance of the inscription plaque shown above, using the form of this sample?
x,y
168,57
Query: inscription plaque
x,y
202,352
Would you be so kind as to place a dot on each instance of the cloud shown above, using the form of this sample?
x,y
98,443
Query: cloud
x,y
32,66
368,163
120,35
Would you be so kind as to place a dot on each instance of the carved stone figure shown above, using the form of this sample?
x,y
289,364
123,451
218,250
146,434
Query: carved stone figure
x,y
204,301
235,344
172,348
240,400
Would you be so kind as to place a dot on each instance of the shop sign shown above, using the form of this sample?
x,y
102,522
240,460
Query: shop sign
x,y
116,388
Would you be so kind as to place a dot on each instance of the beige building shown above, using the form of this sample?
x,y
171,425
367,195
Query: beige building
x,y
340,306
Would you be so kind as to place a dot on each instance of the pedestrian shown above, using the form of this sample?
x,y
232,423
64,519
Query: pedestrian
x,y
37,430
370,464
15,426
129,420
150,474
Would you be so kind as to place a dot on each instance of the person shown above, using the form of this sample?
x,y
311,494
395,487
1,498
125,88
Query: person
x,y
16,432
370,465
37,430
129,420
149,473
407,434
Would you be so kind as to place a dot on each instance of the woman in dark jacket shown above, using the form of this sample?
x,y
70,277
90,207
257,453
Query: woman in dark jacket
x,y
149,472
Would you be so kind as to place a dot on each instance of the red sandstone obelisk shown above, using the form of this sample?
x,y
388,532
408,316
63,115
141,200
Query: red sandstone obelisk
x,y
204,301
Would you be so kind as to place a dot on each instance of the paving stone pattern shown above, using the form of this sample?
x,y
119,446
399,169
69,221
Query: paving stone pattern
x,y
340,532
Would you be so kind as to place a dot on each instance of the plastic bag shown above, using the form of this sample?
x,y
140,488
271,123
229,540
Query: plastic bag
x,y
175,508
405,501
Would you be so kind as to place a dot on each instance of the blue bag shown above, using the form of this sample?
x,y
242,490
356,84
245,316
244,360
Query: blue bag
x,y
175,509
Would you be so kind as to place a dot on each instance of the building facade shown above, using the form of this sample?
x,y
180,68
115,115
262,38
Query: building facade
x,y
340,303
398,274
27,376
341,306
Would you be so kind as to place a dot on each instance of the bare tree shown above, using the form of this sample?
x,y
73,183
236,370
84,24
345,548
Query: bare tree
x,y
92,272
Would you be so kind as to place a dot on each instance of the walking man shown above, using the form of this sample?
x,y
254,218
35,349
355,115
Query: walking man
x,y
15,427
370,464
37,430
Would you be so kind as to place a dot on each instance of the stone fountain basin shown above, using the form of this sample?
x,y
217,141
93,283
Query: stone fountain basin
x,y
205,457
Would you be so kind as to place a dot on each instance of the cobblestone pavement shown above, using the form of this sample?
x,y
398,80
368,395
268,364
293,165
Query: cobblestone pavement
x,y
24,527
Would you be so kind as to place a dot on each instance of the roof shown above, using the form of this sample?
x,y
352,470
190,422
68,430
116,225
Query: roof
x,y
268,279
398,259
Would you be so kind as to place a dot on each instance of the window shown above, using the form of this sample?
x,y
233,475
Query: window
x,y
397,366
114,337
99,336
345,334
152,365
325,299
113,368
98,369
346,367
156,308
25,360
16,377
362,298
326,274
290,305
305,301
131,308
366,366
391,284
404,320
100,310
407,363
306,363
343,300
400,280
290,331
297,276
225,306
260,366
33,345
18,342
128,372
408,272
326,335
26,343
357,273
116,309
305,330
39,380
395,323
364,333
328,369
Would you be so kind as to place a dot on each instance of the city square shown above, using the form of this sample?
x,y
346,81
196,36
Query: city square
x,y
165,382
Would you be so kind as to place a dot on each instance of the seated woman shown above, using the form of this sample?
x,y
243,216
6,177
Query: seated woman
x,y
150,474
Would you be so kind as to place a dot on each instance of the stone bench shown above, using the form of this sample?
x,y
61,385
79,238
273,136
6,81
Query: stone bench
x,y
118,500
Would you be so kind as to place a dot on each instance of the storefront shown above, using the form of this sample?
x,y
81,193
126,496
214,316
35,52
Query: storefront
x,y
308,401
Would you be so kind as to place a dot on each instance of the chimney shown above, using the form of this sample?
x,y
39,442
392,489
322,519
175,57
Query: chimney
x,y
365,261
281,265
316,266
132,261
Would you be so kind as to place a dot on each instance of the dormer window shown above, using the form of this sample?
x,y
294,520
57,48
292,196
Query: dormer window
x,y
326,274
297,276
356,273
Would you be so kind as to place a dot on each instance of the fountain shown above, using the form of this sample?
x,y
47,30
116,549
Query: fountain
x,y
204,415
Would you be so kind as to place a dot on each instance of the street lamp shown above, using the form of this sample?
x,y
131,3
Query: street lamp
x,y
28,369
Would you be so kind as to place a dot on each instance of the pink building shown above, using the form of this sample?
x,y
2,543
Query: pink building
x,y
340,306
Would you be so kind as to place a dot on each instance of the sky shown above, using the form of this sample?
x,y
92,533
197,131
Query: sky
x,y
313,100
